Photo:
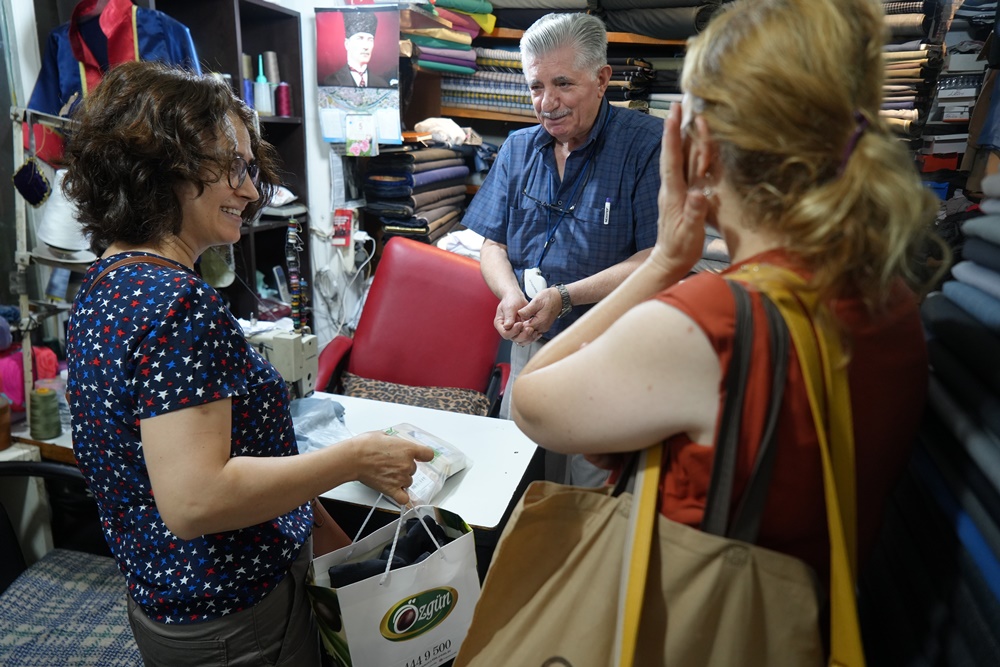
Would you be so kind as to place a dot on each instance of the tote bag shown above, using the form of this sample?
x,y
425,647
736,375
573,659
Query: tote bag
x,y
562,591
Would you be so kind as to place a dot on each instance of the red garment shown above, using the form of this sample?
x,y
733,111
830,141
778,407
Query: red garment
x,y
888,377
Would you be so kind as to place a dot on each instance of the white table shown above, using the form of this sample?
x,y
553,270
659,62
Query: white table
x,y
498,453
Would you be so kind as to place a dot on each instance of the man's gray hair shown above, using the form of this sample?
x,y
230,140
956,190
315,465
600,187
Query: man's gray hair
x,y
584,33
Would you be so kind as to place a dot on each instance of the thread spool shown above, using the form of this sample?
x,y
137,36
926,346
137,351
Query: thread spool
x,y
247,64
271,67
283,100
248,92
44,414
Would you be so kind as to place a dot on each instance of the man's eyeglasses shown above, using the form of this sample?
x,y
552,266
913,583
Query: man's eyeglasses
x,y
239,169
549,207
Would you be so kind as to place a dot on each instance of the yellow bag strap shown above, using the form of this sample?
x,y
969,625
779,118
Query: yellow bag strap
x,y
824,368
637,550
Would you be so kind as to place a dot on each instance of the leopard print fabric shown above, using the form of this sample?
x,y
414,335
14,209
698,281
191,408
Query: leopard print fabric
x,y
451,399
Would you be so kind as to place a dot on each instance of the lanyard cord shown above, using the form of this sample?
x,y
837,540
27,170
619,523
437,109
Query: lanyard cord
x,y
550,230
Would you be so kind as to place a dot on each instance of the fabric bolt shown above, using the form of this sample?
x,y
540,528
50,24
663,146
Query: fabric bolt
x,y
446,53
413,168
470,6
173,318
463,63
970,273
444,67
458,20
486,22
666,23
622,173
981,446
401,190
488,98
420,179
903,7
443,34
907,25
982,252
953,583
498,54
522,19
979,304
968,532
976,347
946,451
427,198
965,387
986,227
423,40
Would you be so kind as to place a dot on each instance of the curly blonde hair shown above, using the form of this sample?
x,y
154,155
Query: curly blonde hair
x,y
791,92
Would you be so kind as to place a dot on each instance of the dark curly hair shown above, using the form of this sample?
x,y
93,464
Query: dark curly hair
x,y
145,129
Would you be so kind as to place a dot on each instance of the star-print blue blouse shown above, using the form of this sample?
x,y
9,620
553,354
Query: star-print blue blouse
x,y
144,341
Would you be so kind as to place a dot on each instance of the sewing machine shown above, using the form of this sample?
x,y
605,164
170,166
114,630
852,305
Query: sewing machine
x,y
294,355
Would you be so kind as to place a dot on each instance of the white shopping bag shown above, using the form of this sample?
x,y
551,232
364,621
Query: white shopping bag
x,y
413,616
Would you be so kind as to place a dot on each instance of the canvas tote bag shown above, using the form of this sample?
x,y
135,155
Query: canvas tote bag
x,y
562,591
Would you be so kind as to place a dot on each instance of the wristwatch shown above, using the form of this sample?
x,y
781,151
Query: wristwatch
x,y
567,305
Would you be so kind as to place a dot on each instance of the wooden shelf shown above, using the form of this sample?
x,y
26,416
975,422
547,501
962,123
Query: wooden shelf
x,y
488,115
613,37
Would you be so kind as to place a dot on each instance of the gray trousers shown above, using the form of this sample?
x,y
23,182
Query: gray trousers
x,y
279,630
562,468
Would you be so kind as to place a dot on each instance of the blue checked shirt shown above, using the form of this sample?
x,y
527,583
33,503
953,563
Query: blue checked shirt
x,y
621,175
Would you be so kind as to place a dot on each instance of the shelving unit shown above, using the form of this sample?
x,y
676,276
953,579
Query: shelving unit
x,y
428,103
222,31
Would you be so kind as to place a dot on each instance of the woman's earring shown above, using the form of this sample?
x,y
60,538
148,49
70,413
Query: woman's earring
x,y
707,192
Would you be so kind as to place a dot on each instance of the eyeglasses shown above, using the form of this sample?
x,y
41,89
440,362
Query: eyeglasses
x,y
239,169
550,207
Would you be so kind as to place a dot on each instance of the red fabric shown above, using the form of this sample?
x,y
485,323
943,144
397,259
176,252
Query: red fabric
x,y
888,380
116,24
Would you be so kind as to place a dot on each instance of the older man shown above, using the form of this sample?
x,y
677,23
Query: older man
x,y
569,208
359,41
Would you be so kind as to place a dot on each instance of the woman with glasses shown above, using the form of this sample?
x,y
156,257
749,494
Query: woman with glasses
x,y
181,428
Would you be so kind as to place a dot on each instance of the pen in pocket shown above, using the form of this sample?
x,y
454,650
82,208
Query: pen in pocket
x,y
607,210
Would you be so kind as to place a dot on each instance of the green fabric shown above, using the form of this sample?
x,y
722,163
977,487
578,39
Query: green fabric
x,y
445,67
421,40
470,6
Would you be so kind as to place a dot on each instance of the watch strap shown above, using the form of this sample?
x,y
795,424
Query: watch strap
x,y
567,305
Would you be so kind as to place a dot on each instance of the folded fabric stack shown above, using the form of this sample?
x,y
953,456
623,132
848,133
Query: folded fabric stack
x,y
442,33
936,571
417,193
498,85
913,61
662,19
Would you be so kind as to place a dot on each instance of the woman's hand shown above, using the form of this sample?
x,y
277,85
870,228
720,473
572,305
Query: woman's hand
x,y
386,463
683,209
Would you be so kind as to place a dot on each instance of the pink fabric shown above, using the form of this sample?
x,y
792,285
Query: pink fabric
x,y
44,365
460,22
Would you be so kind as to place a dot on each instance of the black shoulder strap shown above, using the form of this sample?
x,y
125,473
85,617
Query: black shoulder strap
x,y
125,261
747,520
